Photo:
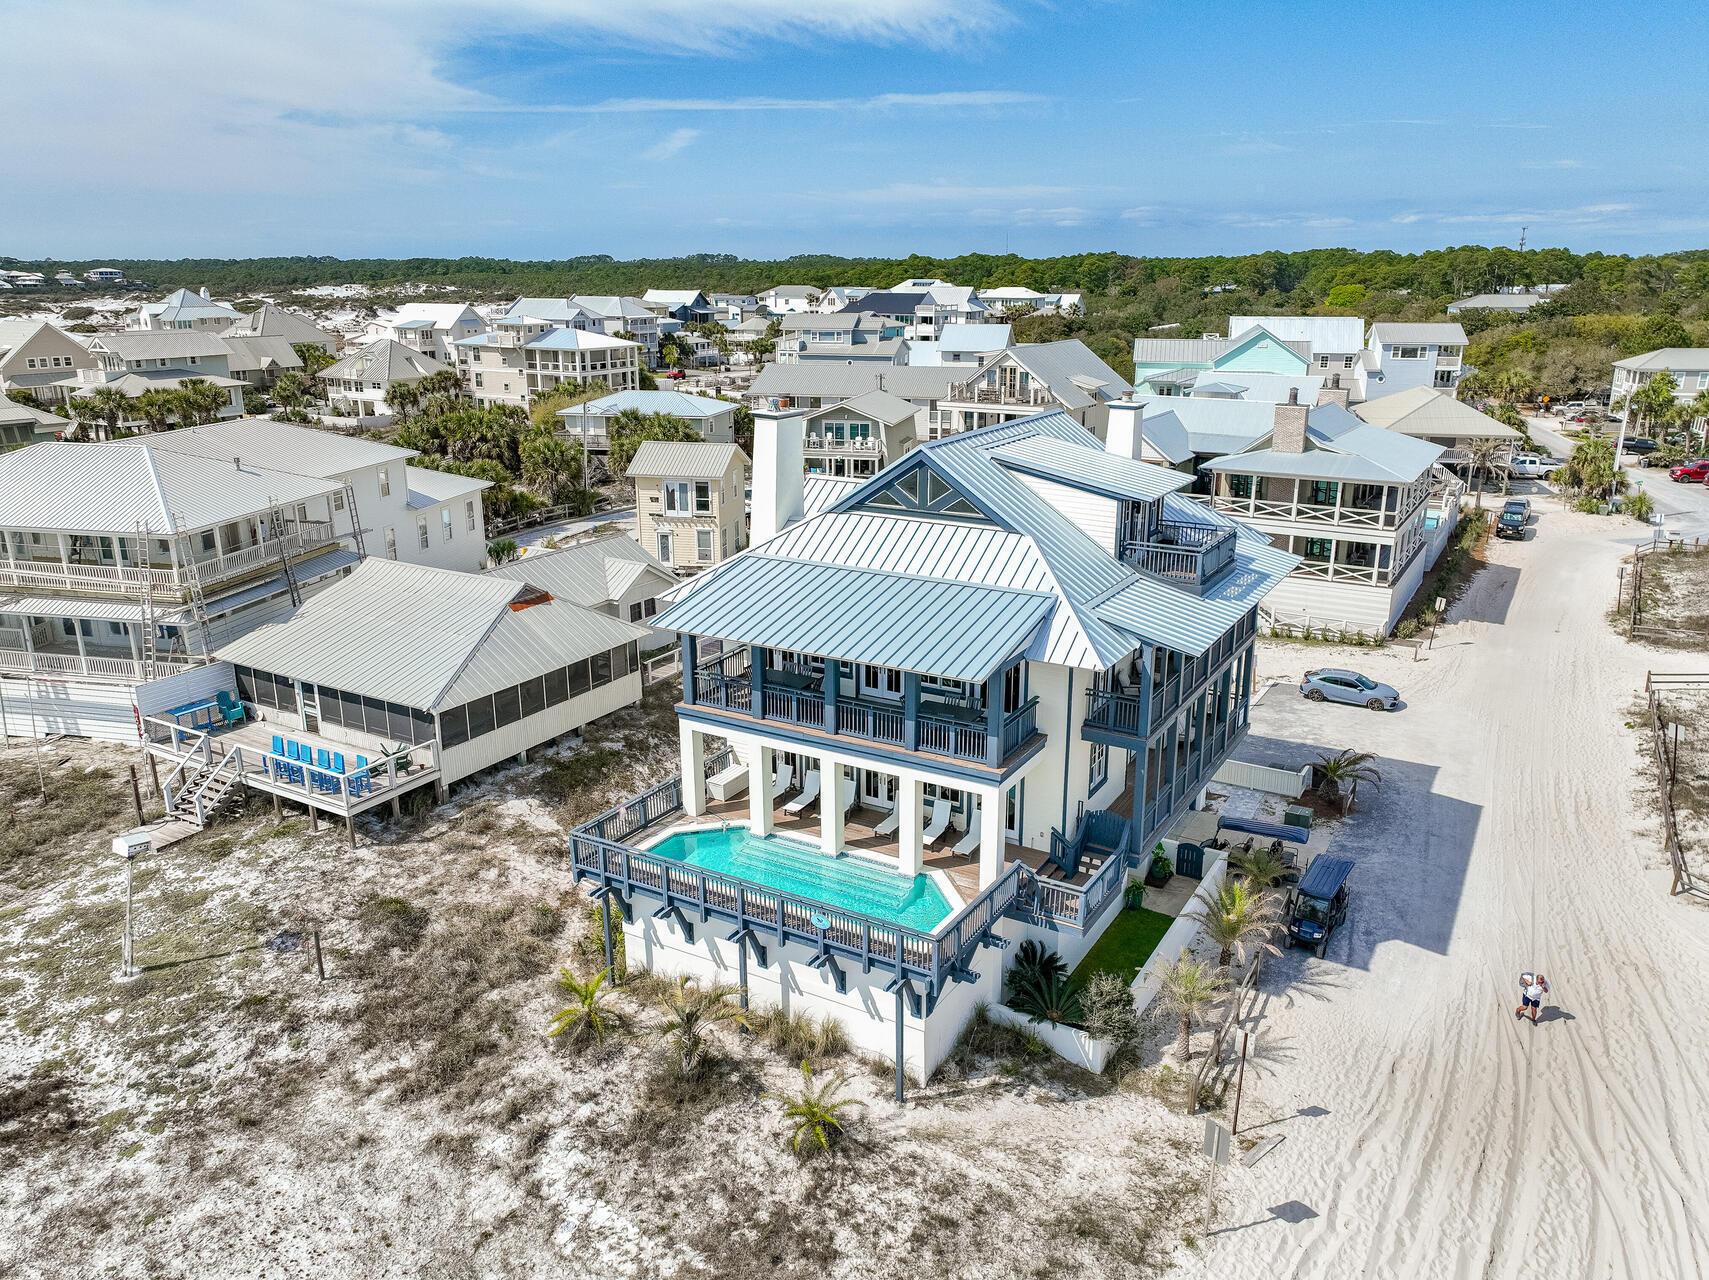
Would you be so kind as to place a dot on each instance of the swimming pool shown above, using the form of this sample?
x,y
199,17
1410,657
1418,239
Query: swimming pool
x,y
848,882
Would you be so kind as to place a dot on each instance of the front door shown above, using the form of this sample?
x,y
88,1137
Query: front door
x,y
1012,813
665,548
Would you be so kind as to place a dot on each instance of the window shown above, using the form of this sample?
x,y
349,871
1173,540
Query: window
x,y
635,612
338,501
469,514
702,497
1409,353
1100,767
1346,362
507,705
601,669
579,682
703,545
421,532
480,717
723,542
1323,362
557,686
391,543
676,496
650,607
445,524
664,548
1318,548
1240,486
208,543
1323,493
385,482
454,726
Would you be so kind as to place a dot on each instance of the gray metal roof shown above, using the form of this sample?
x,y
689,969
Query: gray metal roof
x,y
684,460
820,491
426,638
1361,453
592,573
1071,371
1340,335
1150,609
251,351
1693,358
831,380
1425,411
1437,332
880,406
1093,470
384,362
112,488
952,629
133,382
1205,351
162,344
281,446
11,411
80,607
428,487
276,322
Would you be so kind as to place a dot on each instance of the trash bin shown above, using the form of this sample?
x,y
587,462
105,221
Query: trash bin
x,y
1297,816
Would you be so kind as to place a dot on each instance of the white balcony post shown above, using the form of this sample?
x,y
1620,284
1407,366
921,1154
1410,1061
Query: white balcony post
x,y
991,841
831,804
693,771
760,796
909,834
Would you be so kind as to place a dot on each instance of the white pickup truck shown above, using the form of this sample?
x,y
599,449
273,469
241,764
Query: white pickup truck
x,y
1533,466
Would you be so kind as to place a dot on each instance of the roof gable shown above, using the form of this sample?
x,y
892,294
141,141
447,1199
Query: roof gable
x,y
919,488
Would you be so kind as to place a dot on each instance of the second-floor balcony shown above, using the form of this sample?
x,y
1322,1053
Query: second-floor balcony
x,y
1028,395
795,694
124,576
1124,716
861,445
1186,555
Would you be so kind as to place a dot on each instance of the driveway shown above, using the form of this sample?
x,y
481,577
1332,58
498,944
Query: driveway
x,y
1427,1132
1684,507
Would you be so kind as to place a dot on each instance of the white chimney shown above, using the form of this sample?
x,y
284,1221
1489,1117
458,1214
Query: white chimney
x,y
205,293
778,468
1125,434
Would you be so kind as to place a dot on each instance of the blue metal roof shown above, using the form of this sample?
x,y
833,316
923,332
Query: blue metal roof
x,y
1153,610
952,629
1108,474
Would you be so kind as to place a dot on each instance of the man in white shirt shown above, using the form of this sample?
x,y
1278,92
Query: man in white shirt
x,y
1532,988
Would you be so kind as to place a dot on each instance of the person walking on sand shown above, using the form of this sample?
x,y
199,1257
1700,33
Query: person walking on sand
x,y
1532,988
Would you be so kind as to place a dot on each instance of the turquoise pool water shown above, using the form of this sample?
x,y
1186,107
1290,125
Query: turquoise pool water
x,y
1431,520
848,882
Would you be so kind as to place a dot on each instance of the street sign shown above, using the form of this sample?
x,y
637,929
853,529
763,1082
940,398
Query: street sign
x,y
1441,603
1218,1143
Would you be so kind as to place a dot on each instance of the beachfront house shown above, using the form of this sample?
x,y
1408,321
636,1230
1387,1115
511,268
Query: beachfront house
x,y
610,573
269,321
35,354
183,309
689,507
397,678
525,355
429,329
955,707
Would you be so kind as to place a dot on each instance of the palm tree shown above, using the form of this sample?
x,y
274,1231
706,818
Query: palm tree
x,y
690,1011
1259,867
1480,459
1236,916
1697,414
403,397
501,550
201,400
103,408
291,389
589,1014
817,1110
1188,988
156,408
1342,768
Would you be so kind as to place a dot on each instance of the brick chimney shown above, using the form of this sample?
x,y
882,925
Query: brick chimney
x,y
1334,393
1288,435
1126,430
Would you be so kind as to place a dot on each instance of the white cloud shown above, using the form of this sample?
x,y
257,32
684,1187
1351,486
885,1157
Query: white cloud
x,y
671,143
974,98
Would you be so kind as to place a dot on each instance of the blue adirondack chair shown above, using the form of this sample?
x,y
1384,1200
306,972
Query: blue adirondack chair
x,y
338,762
290,749
231,709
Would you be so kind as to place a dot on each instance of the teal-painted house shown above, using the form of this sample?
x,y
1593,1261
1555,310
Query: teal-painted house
x,y
1170,366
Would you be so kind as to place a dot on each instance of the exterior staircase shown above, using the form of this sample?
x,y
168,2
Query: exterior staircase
x,y
202,788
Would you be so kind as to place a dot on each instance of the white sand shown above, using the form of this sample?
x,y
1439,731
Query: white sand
x,y
1512,834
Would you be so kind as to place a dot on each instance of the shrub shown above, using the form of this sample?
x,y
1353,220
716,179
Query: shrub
x,y
1406,628
589,1016
1109,1014
1034,963
817,1111
1133,897
1055,999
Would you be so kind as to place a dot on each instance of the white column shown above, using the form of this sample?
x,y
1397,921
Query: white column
x,y
909,801
760,798
991,839
693,771
831,804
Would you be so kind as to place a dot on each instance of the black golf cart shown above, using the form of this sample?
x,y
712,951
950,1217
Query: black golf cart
x,y
1318,903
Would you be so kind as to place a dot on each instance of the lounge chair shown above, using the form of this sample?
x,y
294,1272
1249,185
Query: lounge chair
x,y
782,778
938,824
290,750
809,793
847,787
231,710
278,745
969,842
323,758
890,823
338,762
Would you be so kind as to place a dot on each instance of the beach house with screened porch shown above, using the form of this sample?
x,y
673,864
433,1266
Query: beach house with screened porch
x,y
947,712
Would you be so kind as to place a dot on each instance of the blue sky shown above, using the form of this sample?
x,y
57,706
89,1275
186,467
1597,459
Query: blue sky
x,y
551,128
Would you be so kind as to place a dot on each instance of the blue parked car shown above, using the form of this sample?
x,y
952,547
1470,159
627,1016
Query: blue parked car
x,y
1331,685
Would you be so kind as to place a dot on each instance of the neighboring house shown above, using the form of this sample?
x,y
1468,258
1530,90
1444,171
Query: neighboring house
x,y
1426,413
1029,377
1016,300
862,435
1185,432
1400,356
919,313
1333,343
835,299
258,362
791,299
361,381
1351,500
992,671
689,505
431,329
703,352
796,387
612,315
414,677
687,305
104,275
1688,365
1267,388
135,384
840,338
65,280
715,420
610,573
35,354
1517,302
275,322
521,357
125,561
21,425
962,344
730,309
185,310
406,513
1171,366
192,352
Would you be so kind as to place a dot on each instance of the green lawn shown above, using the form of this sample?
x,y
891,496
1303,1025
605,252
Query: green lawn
x,y
1126,944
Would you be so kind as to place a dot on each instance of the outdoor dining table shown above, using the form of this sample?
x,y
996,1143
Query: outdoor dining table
x,y
207,709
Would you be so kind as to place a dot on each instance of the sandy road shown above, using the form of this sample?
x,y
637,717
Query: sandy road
x,y
1440,1136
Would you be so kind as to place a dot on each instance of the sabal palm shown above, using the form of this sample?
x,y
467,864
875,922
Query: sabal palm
x,y
817,1110
1236,917
691,1010
1259,866
589,1015
1187,989
1343,767
156,408
104,407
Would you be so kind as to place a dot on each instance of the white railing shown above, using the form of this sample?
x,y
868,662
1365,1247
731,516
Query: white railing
x,y
967,393
56,575
72,664
1310,512
831,444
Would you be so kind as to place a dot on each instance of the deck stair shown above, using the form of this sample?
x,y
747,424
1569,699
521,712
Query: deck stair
x,y
198,788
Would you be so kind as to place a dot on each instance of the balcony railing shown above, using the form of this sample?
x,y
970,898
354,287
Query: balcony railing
x,y
1188,555
112,668
305,536
979,393
1117,712
833,444
1046,900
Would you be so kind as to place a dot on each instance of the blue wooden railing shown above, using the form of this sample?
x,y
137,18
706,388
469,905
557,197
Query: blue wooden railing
x,y
1058,904
1019,725
1189,555
599,850
1117,712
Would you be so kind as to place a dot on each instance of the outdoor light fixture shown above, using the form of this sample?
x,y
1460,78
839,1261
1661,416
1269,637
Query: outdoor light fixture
x,y
128,846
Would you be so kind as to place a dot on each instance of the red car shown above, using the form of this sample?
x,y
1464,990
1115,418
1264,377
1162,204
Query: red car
x,y
1691,472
